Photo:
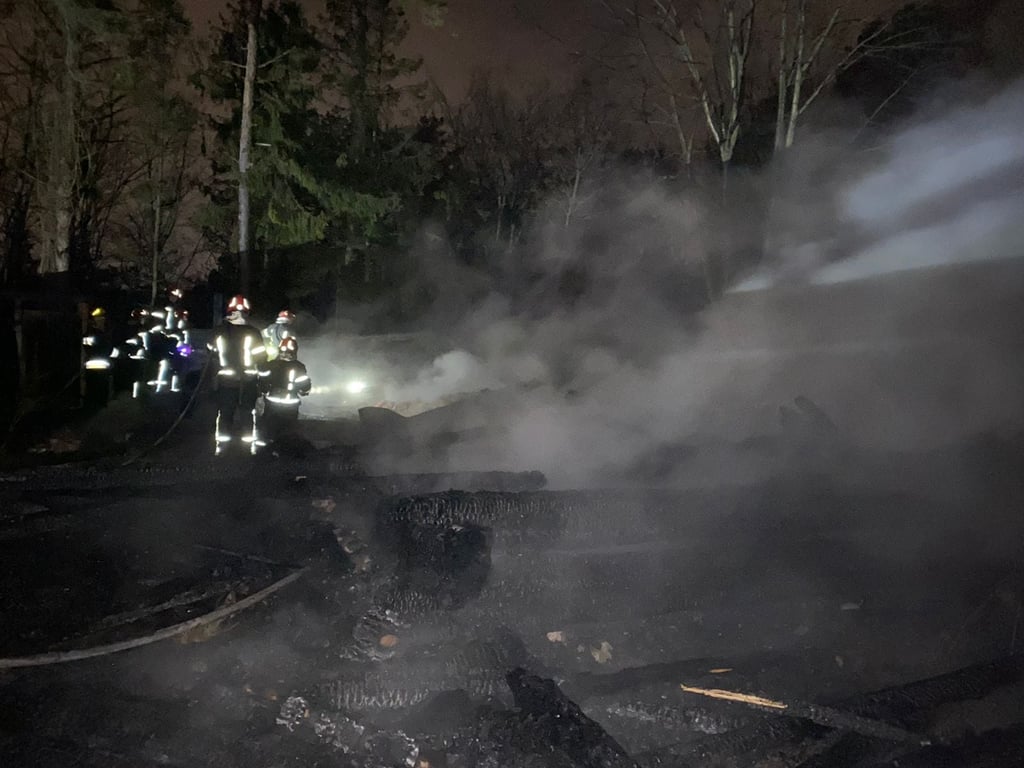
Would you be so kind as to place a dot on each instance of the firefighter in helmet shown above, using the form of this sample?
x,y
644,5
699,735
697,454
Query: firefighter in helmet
x,y
175,317
150,351
284,386
98,359
176,329
239,357
278,331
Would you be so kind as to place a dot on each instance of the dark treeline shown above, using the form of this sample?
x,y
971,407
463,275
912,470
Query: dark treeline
x,y
125,142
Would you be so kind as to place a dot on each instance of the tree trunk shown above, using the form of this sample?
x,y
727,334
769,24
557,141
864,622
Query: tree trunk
x,y
685,143
342,261
798,73
61,237
726,159
571,208
360,86
57,192
497,226
62,156
780,106
244,145
156,245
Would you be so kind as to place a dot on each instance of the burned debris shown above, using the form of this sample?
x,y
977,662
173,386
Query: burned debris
x,y
512,717
326,619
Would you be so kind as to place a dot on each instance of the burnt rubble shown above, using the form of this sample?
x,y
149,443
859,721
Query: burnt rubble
x,y
432,542
498,626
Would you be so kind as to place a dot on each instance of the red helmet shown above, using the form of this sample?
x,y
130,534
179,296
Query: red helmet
x,y
288,344
285,316
238,304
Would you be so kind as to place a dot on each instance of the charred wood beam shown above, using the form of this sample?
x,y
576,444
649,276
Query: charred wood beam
x,y
478,668
356,740
991,749
911,705
914,705
766,735
649,724
418,484
588,685
545,517
559,721
819,714
905,706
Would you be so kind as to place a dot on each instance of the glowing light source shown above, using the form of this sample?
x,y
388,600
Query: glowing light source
x,y
355,387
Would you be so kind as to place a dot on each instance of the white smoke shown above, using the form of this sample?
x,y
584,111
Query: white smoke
x,y
602,377
946,190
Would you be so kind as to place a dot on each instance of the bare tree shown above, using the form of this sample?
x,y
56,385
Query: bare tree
x,y
75,74
15,194
583,127
60,161
696,59
505,145
719,78
666,101
162,165
66,59
814,49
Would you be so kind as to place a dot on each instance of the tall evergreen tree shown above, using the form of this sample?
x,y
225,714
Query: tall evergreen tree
x,y
287,205
385,156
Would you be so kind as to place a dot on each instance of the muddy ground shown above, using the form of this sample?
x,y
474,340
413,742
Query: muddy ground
x,y
842,573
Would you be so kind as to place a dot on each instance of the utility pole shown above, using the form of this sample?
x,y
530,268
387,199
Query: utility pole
x,y
245,145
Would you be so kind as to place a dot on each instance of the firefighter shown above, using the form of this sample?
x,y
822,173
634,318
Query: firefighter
x,y
284,386
98,357
177,347
151,351
185,367
172,318
176,318
177,331
238,357
278,331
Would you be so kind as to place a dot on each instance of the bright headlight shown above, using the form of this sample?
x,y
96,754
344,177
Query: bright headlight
x,y
355,387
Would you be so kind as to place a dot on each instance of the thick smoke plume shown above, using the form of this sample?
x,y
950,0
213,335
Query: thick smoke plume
x,y
598,363
946,190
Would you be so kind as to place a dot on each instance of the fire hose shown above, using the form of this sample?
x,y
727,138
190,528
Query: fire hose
x,y
61,657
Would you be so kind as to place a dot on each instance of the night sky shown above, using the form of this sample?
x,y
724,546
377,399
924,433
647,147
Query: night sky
x,y
503,36
523,42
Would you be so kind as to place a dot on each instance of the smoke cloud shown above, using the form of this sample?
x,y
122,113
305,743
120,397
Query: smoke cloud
x,y
946,190
599,362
